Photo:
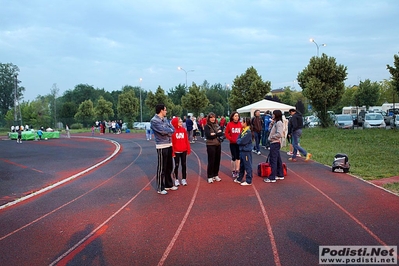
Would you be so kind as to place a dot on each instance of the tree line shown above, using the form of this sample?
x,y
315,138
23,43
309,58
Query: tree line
x,y
322,83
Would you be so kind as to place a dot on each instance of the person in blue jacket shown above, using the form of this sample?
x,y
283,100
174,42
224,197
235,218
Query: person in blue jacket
x,y
267,118
244,142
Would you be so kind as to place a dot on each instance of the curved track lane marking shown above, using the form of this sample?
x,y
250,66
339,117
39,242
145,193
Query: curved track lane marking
x,y
269,228
64,180
363,226
264,213
178,231
71,201
65,257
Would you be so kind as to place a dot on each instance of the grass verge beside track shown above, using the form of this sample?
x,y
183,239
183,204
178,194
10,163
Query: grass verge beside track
x,y
373,153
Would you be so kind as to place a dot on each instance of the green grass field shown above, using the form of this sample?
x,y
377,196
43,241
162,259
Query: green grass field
x,y
373,153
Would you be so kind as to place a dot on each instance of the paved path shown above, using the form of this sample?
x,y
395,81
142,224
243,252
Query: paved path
x,y
112,215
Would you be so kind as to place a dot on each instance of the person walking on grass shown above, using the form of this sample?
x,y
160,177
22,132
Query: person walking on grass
x,y
213,147
163,131
232,132
244,142
296,124
276,133
180,150
256,128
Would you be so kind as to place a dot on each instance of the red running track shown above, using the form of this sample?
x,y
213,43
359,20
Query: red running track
x,y
112,215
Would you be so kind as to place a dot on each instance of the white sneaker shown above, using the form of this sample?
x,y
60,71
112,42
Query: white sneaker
x,y
184,182
279,177
217,178
171,188
177,183
236,181
258,153
210,180
245,184
163,192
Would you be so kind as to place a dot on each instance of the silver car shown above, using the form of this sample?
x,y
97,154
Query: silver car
x,y
344,121
374,120
394,122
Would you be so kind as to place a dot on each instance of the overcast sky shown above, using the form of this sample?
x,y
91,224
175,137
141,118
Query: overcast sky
x,y
109,44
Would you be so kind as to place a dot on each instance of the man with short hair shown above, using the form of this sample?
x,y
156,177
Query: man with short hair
x,y
256,129
296,124
163,131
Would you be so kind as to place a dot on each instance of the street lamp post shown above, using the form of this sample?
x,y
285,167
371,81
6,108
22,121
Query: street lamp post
x,y
141,105
15,98
227,95
180,68
312,40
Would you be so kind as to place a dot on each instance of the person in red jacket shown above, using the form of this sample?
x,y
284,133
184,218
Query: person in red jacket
x,y
232,131
203,124
180,150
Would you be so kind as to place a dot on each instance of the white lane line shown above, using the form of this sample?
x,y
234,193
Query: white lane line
x,y
344,210
118,147
178,231
269,228
62,206
101,225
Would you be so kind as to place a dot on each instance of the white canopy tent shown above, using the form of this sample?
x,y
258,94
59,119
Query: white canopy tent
x,y
263,106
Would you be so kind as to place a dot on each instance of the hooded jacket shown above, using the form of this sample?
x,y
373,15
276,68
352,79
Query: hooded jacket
x,y
296,121
232,131
180,142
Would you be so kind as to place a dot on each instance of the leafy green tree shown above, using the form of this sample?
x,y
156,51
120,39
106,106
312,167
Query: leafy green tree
x,y
347,99
177,93
394,71
103,109
322,82
287,96
85,113
81,93
8,78
248,88
128,106
67,113
37,113
195,100
388,92
368,93
159,98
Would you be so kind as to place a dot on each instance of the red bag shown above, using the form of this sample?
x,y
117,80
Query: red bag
x,y
285,169
264,169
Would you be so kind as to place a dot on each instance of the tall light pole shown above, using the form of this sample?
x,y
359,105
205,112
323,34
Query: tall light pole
x,y
180,68
227,95
141,105
312,40
15,98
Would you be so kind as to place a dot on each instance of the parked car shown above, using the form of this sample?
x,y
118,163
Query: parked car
x,y
374,120
387,118
312,121
360,118
394,123
344,121
140,125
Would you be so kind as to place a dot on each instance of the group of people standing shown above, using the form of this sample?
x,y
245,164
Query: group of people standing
x,y
172,141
